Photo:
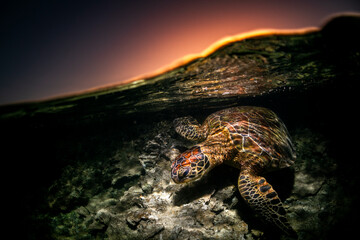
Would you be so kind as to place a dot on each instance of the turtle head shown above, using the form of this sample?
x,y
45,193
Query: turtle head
x,y
190,165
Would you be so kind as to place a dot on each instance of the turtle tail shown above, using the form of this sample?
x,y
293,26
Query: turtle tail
x,y
261,196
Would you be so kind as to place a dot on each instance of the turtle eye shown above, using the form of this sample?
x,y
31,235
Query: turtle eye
x,y
200,156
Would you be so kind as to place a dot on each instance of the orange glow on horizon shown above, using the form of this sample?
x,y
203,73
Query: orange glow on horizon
x,y
209,50
187,59
99,46
214,47
184,60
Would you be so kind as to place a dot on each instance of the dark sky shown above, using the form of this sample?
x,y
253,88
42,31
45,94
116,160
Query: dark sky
x,y
49,48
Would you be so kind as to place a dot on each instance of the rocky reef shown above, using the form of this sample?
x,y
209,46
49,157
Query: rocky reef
x,y
97,165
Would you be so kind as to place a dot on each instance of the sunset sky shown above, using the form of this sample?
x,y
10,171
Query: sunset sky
x,y
50,48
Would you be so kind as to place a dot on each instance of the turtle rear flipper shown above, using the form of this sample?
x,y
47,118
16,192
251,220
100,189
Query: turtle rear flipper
x,y
189,128
260,195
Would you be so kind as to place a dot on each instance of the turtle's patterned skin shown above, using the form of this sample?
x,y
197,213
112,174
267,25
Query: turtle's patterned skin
x,y
252,139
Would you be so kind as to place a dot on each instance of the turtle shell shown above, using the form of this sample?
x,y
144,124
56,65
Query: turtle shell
x,y
255,131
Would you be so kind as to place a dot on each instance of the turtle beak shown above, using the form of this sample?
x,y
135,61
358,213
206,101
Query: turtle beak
x,y
174,177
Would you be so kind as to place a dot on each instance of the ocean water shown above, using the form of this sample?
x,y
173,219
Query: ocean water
x,y
97,165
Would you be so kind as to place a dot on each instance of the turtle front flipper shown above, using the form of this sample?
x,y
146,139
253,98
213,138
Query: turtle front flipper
x,y
260,195
190,129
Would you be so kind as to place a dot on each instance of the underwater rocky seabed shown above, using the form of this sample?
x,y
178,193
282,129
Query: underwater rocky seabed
x,y
97,165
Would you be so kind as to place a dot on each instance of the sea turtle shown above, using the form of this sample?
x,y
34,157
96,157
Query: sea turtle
x,y
252,139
